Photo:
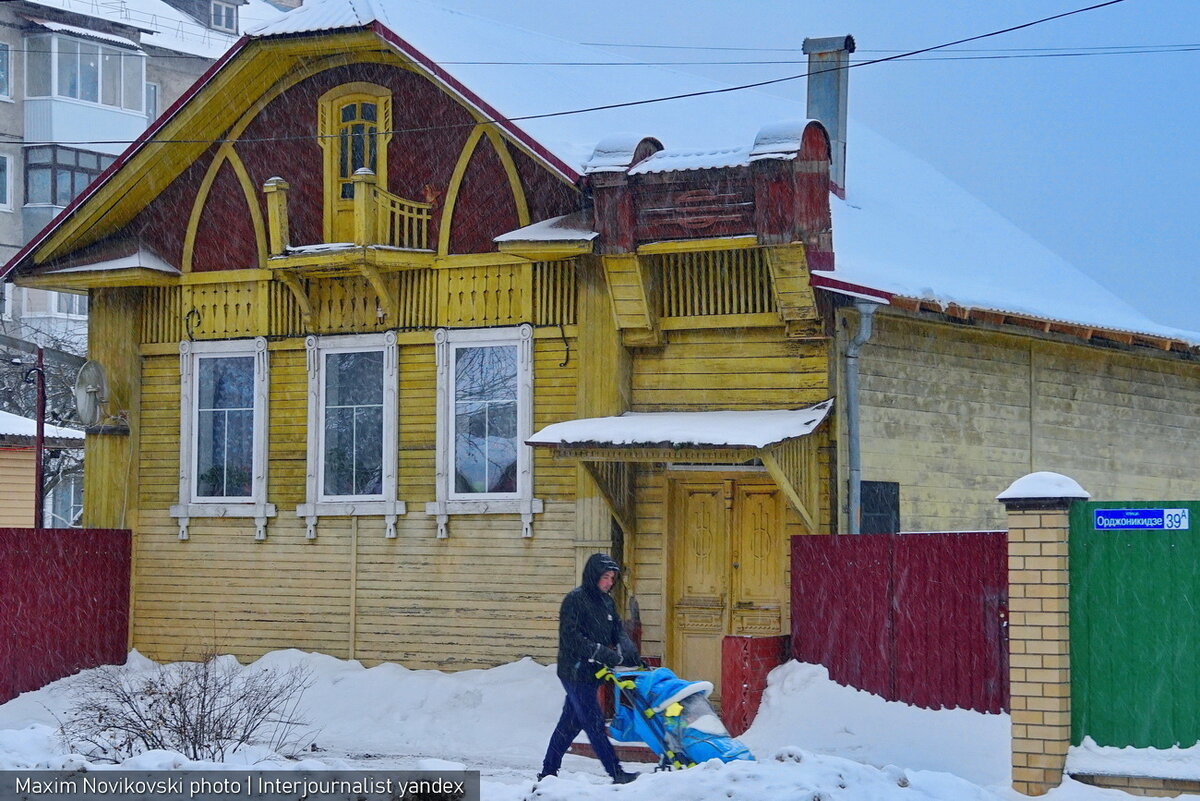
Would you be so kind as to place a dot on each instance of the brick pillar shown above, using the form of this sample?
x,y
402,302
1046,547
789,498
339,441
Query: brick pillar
x,y
1039,634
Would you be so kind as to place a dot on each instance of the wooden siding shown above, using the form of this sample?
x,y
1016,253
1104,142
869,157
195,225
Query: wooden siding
x,y
956,414
483,596
16,487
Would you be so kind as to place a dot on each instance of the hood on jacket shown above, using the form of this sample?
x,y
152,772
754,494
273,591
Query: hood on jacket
x,y
597,565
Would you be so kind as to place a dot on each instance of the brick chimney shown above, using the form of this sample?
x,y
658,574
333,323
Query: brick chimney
x,y
828,80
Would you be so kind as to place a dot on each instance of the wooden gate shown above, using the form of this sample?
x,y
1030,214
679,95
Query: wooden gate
x,y
919,618
728,568
1135,623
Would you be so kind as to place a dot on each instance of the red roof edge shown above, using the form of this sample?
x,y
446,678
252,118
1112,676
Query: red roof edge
x,y
390,36
825,282
129,152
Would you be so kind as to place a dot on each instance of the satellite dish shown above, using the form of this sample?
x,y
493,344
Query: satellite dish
x,y
91,392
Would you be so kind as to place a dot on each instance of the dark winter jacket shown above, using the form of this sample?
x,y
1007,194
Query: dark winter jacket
x,y
590,634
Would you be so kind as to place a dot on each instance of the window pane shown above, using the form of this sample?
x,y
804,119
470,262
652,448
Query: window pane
x,y
348,112
89,160
110,77
89,72
4,70
62,187
79,183
368,112
485,432
131,71
4,181
354,379
37,66
353,442
39,155
152,101
37,185
225,426
68,67
368,450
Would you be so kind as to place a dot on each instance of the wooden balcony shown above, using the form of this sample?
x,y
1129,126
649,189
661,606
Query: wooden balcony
x,y
381,219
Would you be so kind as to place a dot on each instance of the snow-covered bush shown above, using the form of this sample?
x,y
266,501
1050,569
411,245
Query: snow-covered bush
x,y
204,709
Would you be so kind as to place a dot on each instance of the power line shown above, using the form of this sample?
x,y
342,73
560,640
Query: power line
x,y
626,104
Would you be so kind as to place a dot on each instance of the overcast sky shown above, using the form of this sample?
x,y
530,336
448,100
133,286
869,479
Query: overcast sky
x,y
1096,156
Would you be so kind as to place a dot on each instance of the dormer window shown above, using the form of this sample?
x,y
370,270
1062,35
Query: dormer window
x,y
224,16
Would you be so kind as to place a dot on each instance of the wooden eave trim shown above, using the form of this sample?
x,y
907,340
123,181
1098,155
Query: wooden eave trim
x,y
129,277
350,261
1081,332
697,245
544,251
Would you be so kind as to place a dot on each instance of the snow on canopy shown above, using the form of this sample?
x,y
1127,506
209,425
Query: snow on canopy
x,y
1044,484
13,425
903,229
721,429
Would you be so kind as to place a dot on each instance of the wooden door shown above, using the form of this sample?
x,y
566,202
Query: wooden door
x,y
728,554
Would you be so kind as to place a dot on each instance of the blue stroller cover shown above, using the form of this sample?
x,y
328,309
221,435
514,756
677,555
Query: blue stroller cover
x,y
681,726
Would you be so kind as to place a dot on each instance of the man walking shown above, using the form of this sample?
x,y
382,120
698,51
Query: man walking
x,y
590,637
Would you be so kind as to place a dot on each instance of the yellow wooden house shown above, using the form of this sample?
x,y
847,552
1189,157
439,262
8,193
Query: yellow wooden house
x,y
339,291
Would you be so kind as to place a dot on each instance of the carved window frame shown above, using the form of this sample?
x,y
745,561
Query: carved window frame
x,y
328,126
449,502
192,505
317,504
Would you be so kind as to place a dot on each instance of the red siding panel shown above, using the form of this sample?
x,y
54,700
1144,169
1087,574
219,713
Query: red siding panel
x,y
745,663
919,618
64,604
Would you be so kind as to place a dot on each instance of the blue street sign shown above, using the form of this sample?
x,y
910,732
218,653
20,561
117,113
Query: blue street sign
x,y
1144,519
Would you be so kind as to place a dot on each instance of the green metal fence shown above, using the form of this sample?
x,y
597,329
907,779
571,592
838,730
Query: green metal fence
x,y
1135,623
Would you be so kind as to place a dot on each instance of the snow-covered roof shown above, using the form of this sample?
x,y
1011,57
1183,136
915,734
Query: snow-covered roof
x,y
13,425
903,229
165,26
141,259
573,227
722,429
86,33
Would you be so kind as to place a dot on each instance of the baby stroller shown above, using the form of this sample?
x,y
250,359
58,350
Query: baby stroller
x,y
673,717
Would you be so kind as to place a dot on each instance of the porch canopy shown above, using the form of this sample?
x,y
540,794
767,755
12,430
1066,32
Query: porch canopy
x,y
779,438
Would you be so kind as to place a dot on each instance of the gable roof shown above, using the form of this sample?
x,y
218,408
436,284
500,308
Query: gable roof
x,y
904,231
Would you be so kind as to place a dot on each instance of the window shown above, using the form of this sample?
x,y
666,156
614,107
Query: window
x,y
75,305
5,72
5,184
224,16
55,175
485,405
355,123
152,101
880,507
223,438
64,503
352,408
61,66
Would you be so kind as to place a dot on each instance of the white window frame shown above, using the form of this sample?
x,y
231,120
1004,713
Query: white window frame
x,y
7,205
317,504
6,65
449,502
227,10
190,504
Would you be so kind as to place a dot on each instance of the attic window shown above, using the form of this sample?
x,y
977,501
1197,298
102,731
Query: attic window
x,y
224,16
355,121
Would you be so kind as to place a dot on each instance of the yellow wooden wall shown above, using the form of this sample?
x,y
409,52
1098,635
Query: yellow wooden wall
x,y
955,414
16,487
707,369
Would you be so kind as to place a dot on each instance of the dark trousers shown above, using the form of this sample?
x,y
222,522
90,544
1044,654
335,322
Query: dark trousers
x,y
580,711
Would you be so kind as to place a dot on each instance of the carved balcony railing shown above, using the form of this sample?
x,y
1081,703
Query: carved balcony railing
x,y
380,218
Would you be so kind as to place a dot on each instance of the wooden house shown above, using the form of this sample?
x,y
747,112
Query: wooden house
x,y
18,465
376,325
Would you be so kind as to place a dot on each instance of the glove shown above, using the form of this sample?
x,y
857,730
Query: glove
x,y
607,656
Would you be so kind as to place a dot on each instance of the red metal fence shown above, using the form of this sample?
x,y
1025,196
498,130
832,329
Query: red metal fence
x,y
919,618
64,604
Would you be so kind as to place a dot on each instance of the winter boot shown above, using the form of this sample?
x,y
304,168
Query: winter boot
x,y
624,777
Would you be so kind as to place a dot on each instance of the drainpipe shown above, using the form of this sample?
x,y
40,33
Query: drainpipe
x,y
866,310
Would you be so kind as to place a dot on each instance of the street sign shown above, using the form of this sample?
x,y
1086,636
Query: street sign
x,y
1143,519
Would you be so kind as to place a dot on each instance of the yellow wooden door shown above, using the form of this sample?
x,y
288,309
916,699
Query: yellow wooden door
x,y
728,555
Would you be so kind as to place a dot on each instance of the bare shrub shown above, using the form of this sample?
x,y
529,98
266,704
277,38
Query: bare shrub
x,y
203,710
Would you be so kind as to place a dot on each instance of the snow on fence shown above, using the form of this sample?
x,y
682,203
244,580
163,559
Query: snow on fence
x,y
64,604
918,618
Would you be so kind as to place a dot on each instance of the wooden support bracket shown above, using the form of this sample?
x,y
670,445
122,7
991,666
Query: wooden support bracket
x,y
293,283
387,299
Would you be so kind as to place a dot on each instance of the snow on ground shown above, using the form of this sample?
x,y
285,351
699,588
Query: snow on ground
x,y
814,739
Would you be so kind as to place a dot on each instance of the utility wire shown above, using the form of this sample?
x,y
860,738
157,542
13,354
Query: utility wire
x,y
625,104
